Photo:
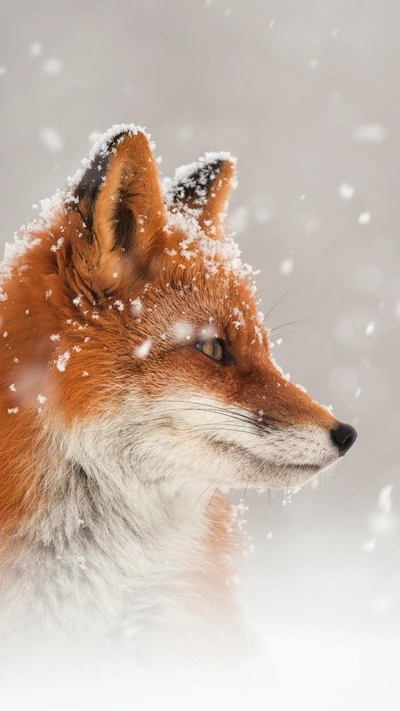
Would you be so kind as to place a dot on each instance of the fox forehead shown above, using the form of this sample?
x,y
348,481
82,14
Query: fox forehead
x,y
175,312
211,305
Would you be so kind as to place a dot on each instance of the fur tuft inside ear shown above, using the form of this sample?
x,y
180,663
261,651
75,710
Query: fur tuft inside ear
x,y
117,198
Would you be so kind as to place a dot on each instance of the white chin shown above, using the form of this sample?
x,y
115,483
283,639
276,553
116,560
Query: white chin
x,y
252,470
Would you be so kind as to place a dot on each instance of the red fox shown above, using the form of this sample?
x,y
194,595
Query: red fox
x,y
136,386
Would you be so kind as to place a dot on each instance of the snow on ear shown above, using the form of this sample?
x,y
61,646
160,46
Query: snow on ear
x,y
117,196
204,187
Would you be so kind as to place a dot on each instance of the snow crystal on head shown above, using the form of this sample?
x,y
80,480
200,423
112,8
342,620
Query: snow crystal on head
x,y
51,208
185,219
197,175
27,238
12,251
103,147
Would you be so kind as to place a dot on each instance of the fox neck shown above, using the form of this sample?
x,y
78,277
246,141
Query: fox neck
x,y
118,556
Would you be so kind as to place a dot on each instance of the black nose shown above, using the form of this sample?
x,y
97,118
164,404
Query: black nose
x,y
343,437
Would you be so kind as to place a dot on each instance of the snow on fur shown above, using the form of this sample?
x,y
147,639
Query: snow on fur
x,y
101,147
215,252
51,208
185,219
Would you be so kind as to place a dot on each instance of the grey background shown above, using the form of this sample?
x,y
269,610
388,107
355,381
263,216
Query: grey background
x,y
288,86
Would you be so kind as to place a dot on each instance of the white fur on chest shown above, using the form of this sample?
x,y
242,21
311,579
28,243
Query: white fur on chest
x,y
94,566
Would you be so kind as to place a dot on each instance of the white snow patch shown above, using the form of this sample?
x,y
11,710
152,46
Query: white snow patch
x,y
364,218
370,133
35,49
182,331
385,502
51,138
136,306
382,521
188,174
52,66
346,191
239,319
287,266
59,243
143,350
94,136
62,361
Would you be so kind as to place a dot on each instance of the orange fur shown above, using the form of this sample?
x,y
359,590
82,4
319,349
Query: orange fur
x,y
68,333
30,318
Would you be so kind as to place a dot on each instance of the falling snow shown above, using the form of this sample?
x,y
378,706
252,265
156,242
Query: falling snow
x,y
35,49
52,66
347,266
287,266
364,218
51,138
370,133
346,191
143,350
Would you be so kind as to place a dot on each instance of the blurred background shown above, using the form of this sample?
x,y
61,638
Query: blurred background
x,y
306,94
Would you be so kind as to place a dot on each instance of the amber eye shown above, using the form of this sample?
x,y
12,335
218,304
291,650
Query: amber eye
x,y
216,349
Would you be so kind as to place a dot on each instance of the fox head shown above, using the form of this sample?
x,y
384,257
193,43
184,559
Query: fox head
x,y
138,343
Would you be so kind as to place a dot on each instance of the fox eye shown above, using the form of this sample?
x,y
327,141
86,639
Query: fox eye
x,y
216,349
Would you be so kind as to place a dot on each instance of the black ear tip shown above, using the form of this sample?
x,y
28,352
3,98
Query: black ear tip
x,y
94,175
192,183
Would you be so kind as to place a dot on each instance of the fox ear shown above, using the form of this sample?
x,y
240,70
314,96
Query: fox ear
x,y
118,200
205,187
